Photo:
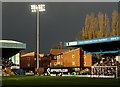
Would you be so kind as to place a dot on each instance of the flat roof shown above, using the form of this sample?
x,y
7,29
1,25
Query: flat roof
x,y
104,52
92,41
97,44
12,44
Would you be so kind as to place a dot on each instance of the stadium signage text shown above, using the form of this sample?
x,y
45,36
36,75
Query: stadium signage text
x,y
59,70
98,40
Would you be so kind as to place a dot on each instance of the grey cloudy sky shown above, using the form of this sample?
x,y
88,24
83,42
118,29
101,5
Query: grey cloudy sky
x,y
60,22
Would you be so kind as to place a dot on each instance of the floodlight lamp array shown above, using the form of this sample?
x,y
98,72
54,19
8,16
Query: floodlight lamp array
x,y
40,8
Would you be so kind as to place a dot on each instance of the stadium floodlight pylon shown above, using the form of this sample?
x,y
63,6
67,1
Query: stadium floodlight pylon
x,y
38,8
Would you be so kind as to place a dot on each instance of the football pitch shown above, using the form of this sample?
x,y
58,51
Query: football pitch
x,y
58,80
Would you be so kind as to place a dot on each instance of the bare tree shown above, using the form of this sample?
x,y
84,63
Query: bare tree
x,y
87,25
83,34
101,24
91,28
107,26
79,35
96,28
114,23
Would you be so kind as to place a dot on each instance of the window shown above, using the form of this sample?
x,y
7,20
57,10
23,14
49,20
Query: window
x,y
61,56
58,57
28,64
55,57
84,56
34,58
73,63
55,63
73,56
58,62
84,63
28,59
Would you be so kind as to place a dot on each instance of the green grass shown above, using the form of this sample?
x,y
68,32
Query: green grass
x,y
47,80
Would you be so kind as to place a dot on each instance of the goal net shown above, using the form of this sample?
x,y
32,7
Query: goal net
x,y
104,71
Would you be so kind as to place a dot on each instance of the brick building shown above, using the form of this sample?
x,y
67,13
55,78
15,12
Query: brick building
x,y
74,58
54,53
28,61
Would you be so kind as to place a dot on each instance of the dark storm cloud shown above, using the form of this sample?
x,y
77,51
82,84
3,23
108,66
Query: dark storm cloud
x,y
59,23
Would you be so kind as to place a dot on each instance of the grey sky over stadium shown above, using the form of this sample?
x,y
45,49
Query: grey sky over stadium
x,y
60,22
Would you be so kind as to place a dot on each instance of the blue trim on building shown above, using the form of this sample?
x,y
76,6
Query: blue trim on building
x,y
92,41
104,52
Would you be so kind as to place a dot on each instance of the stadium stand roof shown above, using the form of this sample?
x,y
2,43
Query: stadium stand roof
x,y
98,44
104,52
12,44
9,48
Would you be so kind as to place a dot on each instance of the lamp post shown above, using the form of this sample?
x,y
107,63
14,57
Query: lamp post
x,y
38,8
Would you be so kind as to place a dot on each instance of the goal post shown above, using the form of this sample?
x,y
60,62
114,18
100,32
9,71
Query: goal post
x,y
104,71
